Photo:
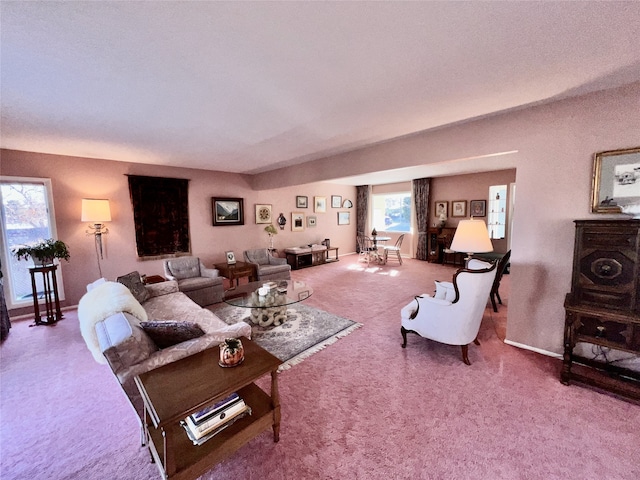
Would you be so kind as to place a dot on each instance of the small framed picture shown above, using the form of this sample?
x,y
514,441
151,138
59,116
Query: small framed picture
x,y
336,201
231,258
311,221
344,218
297,221
320,204
616,180
459,208
478,208
263,213
440,208
302,201
227,211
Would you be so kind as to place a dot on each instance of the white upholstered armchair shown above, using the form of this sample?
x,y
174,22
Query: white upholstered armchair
x,y
454,314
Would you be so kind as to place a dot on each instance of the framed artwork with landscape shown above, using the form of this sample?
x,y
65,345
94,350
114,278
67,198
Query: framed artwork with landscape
x,y
478,208
616,180
227,211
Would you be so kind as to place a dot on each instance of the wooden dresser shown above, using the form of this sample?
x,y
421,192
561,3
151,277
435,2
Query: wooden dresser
x,y
603,308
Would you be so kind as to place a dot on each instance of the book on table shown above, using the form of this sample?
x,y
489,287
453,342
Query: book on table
x,y
200,434
202,415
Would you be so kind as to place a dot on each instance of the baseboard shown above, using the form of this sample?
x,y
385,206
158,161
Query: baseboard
x,y
29,316
534,349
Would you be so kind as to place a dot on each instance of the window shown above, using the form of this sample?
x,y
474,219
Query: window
x,y
27,216
497,217
392,212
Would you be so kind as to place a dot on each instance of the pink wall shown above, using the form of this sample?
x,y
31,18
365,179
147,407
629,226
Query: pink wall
x,y
76,178
469,187
556,143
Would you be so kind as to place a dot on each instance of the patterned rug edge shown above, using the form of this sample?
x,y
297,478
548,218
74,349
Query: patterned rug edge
x,y
318,347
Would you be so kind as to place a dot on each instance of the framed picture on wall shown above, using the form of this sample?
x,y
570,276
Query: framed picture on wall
x,y
302,201
344,218
616,180
312,221
297,221
441,207
320,204
459,208
336,201
227,211
478,208
263,213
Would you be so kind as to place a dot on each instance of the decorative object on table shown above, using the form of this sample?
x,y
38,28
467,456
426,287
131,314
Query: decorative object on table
x,y
302,201
442,221
320,204
43,252
312,221
347,203
231,352
231,258
282,221
632,209
441,208
297,221
271,231
616,180
336,201
160,231
374,232
471,237
478,208
263,213
96,211
459,208
326,242
344,218
227,211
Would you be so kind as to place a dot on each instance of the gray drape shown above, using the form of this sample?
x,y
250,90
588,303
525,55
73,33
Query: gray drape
x,y
421,200
362,207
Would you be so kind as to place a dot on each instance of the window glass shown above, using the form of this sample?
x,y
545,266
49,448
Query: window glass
x,y
25,219
392,212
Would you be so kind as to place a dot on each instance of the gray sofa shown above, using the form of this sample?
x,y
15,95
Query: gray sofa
x,y
202,285
110,319
267,266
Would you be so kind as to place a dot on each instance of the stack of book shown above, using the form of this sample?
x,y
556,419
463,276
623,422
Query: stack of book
x,y
204,424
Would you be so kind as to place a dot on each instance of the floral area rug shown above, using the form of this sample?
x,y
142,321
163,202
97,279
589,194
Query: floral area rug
x,y
306,331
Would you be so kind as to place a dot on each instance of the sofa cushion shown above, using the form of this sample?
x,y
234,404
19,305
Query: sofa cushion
x,y
167,333
445,291
197,283
134,283
186,267
122,341
259,256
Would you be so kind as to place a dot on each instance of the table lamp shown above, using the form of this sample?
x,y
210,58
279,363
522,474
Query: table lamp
x,y
471,237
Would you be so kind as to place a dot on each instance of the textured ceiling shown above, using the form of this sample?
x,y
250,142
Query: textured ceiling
x,y
249,87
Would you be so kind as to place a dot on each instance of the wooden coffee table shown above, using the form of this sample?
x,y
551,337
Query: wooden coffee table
x,y
174,391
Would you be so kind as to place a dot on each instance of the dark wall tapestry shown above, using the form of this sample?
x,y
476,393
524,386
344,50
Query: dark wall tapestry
x,y
161,215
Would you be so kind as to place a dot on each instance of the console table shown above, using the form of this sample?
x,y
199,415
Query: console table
x,y
50,294
311,258
236,271
174,391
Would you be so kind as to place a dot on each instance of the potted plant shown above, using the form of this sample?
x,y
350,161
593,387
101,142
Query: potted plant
x,y
43,252
271,230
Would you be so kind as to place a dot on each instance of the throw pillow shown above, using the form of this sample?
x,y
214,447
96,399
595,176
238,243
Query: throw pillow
x,y
167,333
134,283
445,291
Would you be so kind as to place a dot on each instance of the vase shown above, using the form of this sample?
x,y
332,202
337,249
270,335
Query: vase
x,y
42,262
231,353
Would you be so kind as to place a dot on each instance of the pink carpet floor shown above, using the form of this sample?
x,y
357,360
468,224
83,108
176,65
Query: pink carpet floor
x,y
363,408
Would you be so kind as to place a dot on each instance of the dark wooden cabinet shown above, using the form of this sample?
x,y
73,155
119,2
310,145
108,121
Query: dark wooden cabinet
x,y
603,308
437,239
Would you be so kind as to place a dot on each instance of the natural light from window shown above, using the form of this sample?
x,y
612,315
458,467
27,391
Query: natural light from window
x,y
392,212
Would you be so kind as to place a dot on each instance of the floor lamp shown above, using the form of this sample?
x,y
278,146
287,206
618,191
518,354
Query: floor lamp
x,y
96,211
471,237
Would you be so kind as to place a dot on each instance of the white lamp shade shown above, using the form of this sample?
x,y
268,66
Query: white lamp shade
x,y
95,210
471,236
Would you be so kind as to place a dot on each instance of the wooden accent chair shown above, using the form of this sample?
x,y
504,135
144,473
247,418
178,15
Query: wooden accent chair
x,y
394,249
454,314
502,266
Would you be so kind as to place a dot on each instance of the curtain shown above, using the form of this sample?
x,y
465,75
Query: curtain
x,y
421,199
362,210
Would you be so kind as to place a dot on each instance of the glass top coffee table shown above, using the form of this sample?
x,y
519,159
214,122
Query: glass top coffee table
x,y
268,301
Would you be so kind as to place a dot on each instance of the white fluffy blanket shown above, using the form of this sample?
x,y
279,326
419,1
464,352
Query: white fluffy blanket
x,y
101,302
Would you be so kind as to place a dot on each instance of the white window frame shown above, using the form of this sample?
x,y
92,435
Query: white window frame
x,y
411,213
8,284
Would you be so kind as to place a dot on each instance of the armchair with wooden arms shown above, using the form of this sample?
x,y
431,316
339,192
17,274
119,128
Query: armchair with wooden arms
x,y
454,314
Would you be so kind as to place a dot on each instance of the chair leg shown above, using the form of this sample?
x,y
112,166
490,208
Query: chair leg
x,y
399,257
498,295
465,354
493,301
403,331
